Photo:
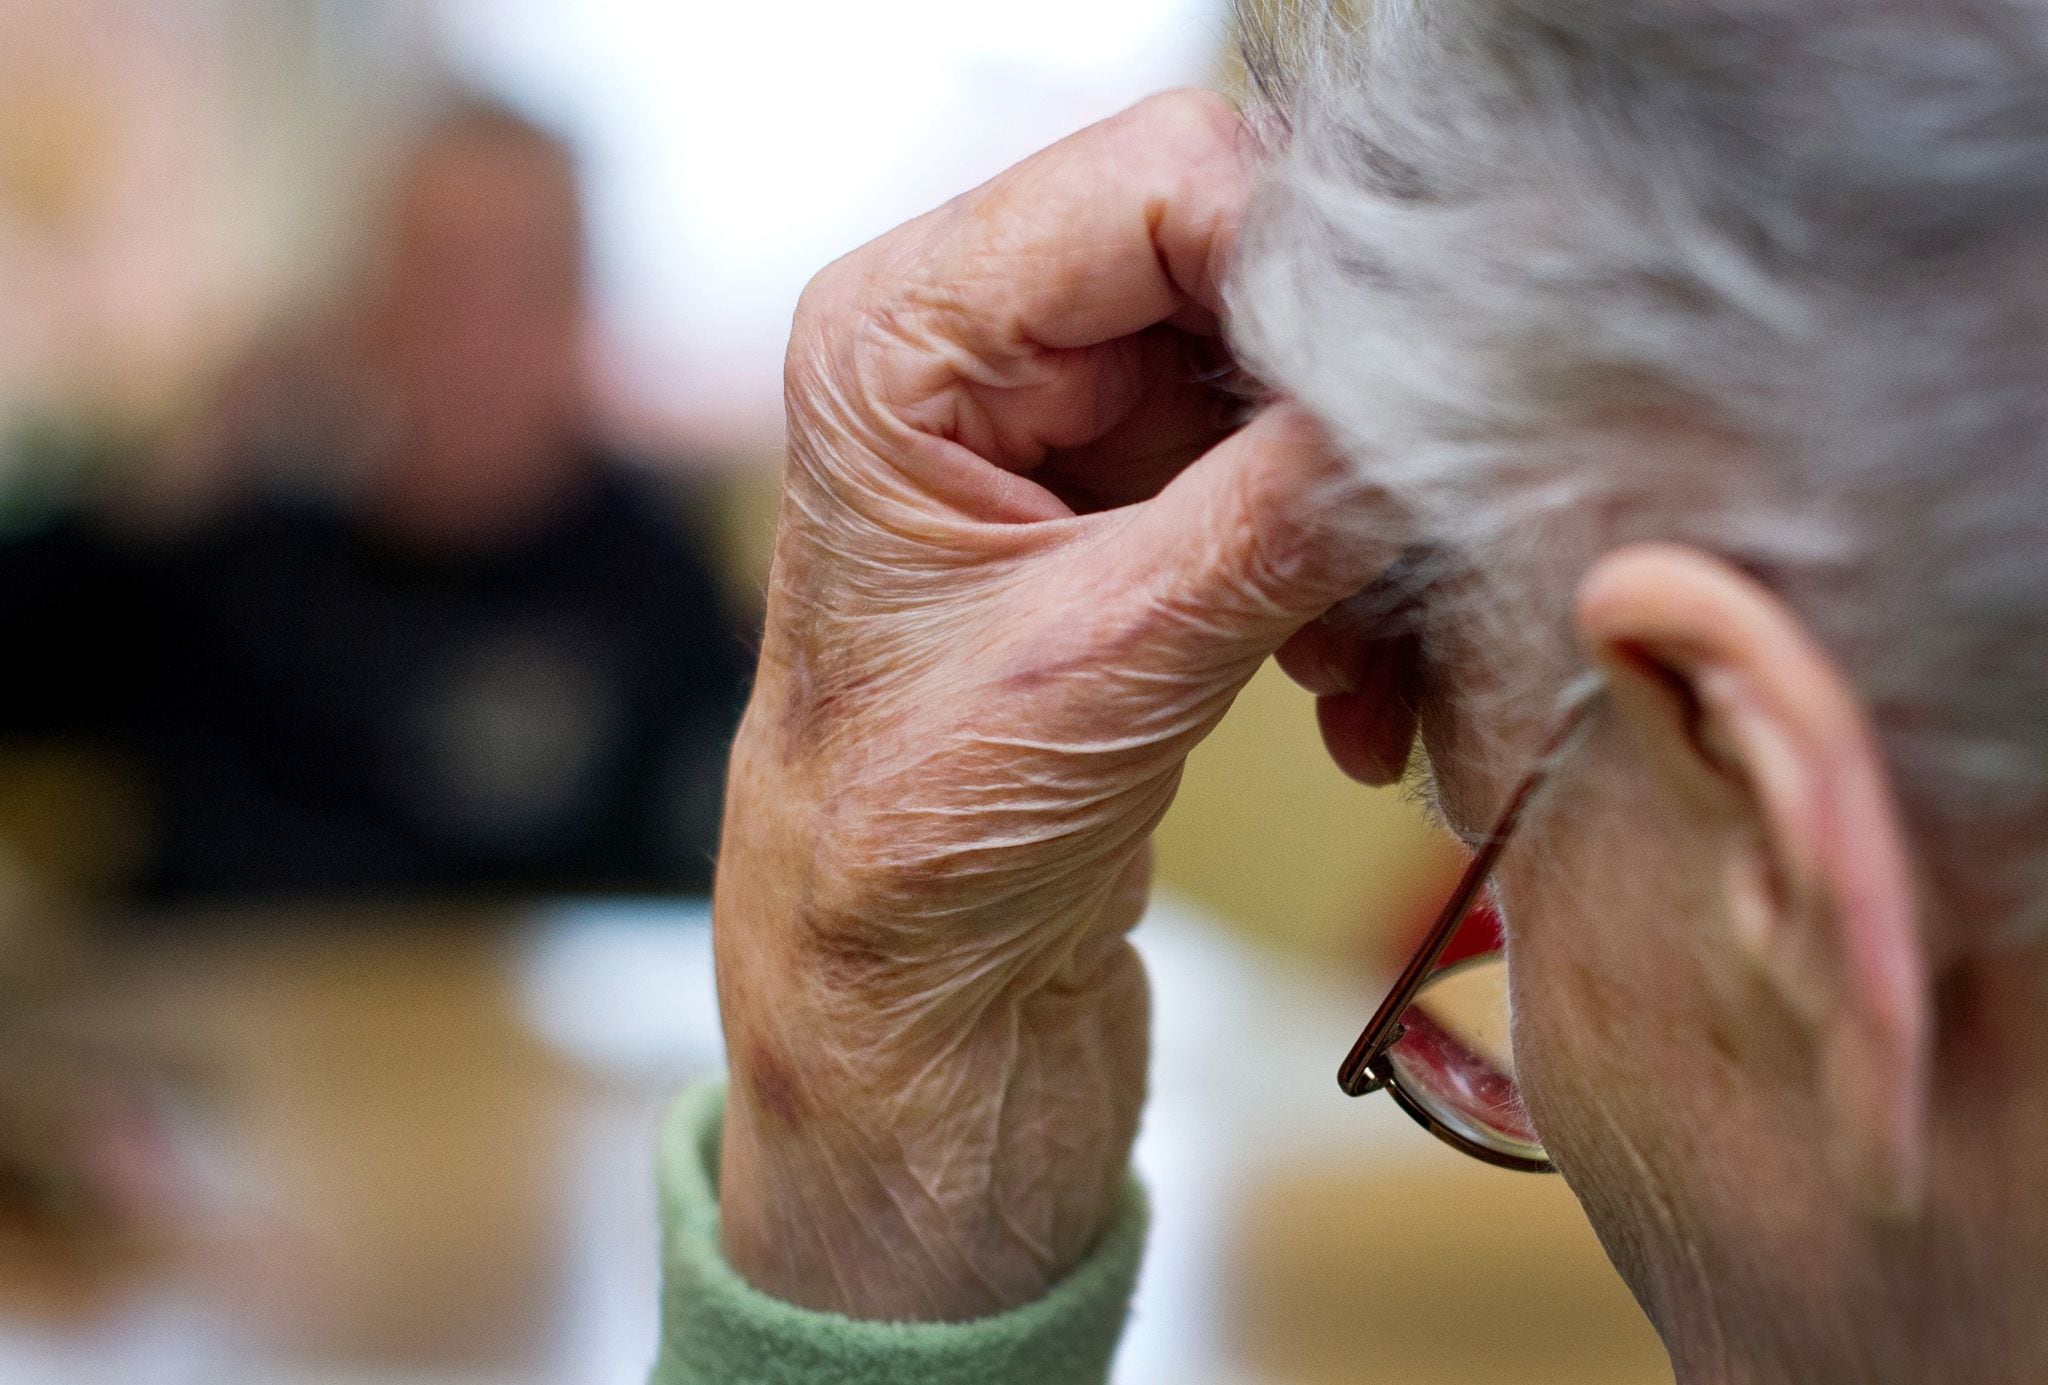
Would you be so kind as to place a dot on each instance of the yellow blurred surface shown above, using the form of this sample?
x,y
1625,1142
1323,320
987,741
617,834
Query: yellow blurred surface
x,y
1444,1272
1271,837
421,1148
375,1144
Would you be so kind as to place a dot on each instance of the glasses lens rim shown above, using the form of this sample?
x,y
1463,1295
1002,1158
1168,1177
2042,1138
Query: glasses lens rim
x,y
1446,1123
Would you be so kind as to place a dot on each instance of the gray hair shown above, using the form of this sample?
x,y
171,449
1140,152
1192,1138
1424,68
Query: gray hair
x,y
1502,243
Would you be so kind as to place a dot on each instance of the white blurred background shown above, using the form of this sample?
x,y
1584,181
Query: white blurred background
x,y
175,173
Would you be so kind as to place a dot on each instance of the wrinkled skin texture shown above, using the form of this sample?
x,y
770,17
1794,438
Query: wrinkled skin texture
x,y
1023,565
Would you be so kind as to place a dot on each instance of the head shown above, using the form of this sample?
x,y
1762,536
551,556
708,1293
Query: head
x,y
1701,343
475,326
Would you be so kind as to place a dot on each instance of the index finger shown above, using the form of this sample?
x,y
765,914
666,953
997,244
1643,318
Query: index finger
x,y
1124,225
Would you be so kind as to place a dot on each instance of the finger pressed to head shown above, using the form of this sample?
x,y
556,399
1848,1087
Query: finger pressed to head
x,y
998,319
1125,224
1262,534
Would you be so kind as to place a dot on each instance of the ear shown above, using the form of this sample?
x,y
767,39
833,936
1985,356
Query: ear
x,y
1735,706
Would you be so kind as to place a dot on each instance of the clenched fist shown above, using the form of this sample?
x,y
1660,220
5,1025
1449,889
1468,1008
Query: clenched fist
x,y
1026,557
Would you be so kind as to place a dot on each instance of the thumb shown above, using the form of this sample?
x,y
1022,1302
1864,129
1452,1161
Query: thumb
x,y
1268,530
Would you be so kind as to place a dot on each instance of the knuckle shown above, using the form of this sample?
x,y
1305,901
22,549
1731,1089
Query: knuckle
x,y
825,327
1189,123
1274,547
823,303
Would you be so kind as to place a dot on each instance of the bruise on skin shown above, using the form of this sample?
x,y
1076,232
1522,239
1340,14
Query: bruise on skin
x,y
845,957
814,706
773,1083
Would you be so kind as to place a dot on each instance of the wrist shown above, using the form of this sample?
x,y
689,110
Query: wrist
x,y
922,1173
960,1191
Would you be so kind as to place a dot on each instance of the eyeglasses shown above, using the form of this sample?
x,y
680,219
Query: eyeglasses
x,y
1439,1041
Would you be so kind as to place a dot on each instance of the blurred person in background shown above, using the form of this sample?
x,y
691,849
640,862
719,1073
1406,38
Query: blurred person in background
x,y
1699,349
393,619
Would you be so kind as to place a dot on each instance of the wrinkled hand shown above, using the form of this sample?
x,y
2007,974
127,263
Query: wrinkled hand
x,y
1023,565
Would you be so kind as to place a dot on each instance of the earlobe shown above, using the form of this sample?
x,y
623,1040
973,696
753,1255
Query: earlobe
x,y
1728,697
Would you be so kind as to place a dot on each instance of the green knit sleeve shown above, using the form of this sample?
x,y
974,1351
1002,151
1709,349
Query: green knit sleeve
x,y
719,1330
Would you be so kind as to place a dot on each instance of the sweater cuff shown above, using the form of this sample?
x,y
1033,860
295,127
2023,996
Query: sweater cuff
x,y
718,1328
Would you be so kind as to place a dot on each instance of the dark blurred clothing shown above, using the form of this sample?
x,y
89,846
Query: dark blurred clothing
x,y
322,713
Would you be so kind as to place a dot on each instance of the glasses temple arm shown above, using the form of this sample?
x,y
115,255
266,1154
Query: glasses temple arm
x,y
1384,1030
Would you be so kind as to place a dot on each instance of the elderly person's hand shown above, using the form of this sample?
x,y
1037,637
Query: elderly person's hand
x,y
1023,566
